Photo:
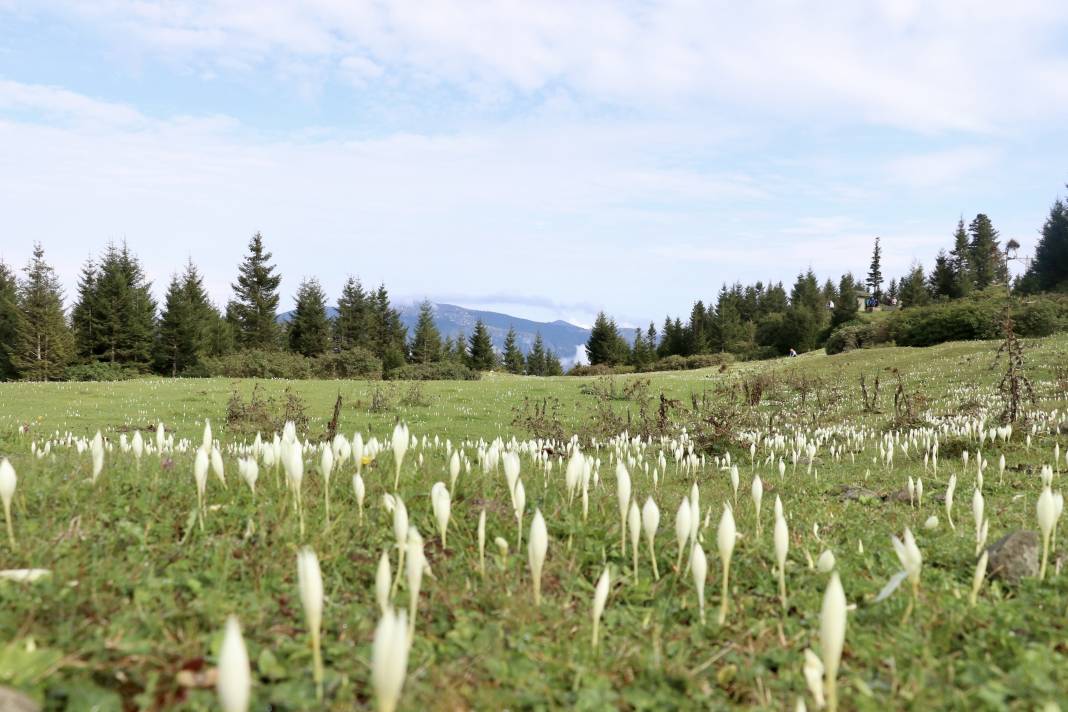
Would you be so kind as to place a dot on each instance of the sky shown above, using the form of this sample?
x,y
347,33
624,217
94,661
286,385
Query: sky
x,y
546,159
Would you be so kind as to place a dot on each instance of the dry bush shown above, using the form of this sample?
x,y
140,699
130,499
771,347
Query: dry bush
x,y
265,414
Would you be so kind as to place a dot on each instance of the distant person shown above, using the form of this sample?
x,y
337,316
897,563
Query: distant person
x,y
792,353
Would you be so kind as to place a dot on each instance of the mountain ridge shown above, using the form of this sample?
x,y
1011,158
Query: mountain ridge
x,y
563,338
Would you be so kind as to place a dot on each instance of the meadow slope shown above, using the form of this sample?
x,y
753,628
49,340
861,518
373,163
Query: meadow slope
x,y
131,615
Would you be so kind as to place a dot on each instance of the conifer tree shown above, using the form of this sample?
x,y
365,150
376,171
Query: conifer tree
x,y
913,288
389,337
9,321
605,344
186,323
43,343
254,308
845,303
728,323
426,342
85,317
352,326
553,367
115,317
480,354
513,358
875,272
1049,270
696,340
942,282
641,353
459,353
309,329
985,250
963,270
536,365
892,292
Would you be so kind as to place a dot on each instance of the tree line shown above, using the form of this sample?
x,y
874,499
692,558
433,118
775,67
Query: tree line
x,y
115,321
763,320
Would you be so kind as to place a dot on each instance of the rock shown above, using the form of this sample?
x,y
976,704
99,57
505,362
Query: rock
x,y
12,701
858,494
1014,556
901,496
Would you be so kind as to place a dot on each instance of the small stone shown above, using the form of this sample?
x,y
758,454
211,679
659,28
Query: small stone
x,y
1014,556
858,494
901,496
12,701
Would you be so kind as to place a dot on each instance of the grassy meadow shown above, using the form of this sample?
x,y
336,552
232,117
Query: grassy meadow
x,y
132,612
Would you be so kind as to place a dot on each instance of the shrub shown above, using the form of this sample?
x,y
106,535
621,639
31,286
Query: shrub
x,y
264,414
962,320
100,371
688,363
1040,317
857,335
437,371
600,369
351,363
260,364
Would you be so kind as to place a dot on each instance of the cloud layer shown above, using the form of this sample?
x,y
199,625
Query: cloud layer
x,y
630,156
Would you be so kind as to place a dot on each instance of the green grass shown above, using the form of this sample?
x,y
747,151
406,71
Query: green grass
x,y
136,595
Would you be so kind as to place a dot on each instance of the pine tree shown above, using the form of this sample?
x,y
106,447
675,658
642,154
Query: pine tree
x,y
426,342
352,326
309,329
254,308
480,355
603,346
43,344
985,250
845,303
641,353
942,282
186,324
696,340
536,365
913,288
1049,270
875,272
115,316
650,336
553,367
85,317
459,352
891,292
513,358
221,340
390,337
775,300
963,270
9,321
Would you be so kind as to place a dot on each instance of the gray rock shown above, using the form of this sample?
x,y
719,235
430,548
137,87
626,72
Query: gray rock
x,y
901,496
12,701
1014,556
852,493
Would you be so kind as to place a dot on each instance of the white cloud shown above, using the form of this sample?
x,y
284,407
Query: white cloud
x,y
929,66
538,204
58,103
938,168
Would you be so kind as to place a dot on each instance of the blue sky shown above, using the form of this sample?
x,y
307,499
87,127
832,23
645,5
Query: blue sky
x,y
547,159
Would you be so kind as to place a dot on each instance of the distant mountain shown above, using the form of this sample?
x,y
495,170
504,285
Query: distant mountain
x,y
564,339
